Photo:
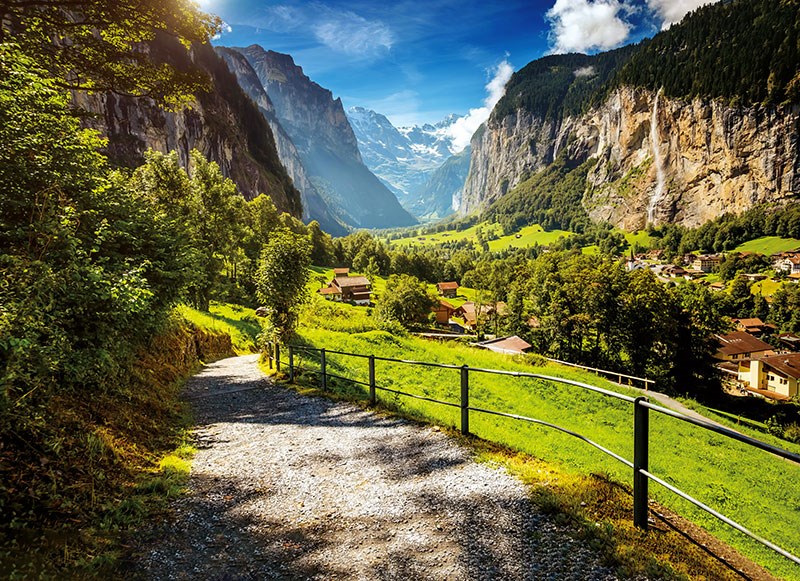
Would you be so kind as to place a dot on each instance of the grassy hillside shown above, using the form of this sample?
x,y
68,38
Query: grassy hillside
x,y
753,487
102,464
769,245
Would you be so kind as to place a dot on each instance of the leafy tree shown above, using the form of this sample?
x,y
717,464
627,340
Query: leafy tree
x,y
406,300
281,280
96,45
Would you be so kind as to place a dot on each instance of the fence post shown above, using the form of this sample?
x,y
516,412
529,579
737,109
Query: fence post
x,y
641,429
291,364
465,400
269,354
372,398
323,369
278,357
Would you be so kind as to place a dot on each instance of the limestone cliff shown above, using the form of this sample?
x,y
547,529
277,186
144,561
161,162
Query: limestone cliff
x,y
659,159
325,142
223,124
314,207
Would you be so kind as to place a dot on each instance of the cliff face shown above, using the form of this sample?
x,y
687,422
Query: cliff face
x,y
658,159
222,123
325,142
314,207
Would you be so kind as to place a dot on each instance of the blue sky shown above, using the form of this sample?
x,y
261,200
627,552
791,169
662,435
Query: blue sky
x,y
416,61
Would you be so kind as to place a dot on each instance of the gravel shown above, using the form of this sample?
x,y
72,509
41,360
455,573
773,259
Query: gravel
x,y
286,486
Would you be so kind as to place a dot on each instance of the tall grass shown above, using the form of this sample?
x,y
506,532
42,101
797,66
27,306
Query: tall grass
x,y
753,487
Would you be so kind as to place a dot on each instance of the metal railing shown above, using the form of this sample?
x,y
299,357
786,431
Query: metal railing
x,y
641,423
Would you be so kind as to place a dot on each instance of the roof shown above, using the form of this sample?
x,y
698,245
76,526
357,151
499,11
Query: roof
x,y
447,285
446,305
511,344
352,281
755,322
739,342
330,290
788,364
338,271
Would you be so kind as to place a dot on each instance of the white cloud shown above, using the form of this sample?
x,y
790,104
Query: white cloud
x,y
584,72
349,33
672,11
586,25
462,130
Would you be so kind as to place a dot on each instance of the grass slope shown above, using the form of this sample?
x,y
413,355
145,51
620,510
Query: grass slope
x,y
769,245
754,488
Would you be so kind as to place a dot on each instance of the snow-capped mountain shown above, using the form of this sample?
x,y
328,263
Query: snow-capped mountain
x,y
403,158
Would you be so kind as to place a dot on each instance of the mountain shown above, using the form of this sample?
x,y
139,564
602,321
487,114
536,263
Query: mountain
x,y
441,194
223,123
314,207
404,158
325,143
701,120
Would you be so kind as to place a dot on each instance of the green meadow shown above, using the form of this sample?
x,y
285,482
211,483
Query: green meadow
x,y
523,238
754,488
769,245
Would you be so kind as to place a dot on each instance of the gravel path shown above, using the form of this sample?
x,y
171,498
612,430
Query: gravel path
x,y
292,487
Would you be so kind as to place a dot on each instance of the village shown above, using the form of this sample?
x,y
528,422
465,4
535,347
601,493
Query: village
x,y
754,358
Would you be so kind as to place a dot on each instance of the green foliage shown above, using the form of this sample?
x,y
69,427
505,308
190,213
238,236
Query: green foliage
x,y
406,300
281,280
553,198
744,50
95,45
559,85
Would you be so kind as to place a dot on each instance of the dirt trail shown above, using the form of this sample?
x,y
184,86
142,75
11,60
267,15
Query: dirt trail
x,y
292,487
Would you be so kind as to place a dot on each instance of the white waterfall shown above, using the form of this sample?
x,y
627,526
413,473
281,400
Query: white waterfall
x,y
655,142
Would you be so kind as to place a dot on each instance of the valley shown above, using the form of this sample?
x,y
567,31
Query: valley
x,y
522,211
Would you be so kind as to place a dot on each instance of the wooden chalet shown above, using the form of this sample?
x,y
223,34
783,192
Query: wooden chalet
x,y
740,345
444,311
348,289
511,345
447,289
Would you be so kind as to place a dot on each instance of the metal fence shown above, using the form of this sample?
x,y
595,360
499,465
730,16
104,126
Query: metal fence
x,y
641,423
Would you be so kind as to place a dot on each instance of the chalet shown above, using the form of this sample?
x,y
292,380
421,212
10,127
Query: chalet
x,y
789,341
740,345
444,311
754,326
774,376
788,262
717,286
705,262
468,312
447,289
692,274
511,345
348,289
754,276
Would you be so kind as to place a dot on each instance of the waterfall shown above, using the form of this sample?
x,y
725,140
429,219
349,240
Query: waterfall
x,y
658,193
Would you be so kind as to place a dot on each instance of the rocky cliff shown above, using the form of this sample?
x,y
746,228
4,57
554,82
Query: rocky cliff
x,y
658,159
325,142
314,207
223,123
700,120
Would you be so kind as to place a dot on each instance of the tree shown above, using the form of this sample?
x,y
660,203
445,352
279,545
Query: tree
x,y
96,45
406,300
281,280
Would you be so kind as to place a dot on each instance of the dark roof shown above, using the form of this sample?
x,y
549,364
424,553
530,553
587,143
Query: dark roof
x,y
447,285
352,281
788,364
740,342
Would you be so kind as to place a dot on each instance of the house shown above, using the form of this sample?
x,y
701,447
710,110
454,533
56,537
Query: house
x,y
773,376
692,274
789,341
705,262
447,289
740,345
468,312
444,311
348,289
754,276
511,345
788,262
754,326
